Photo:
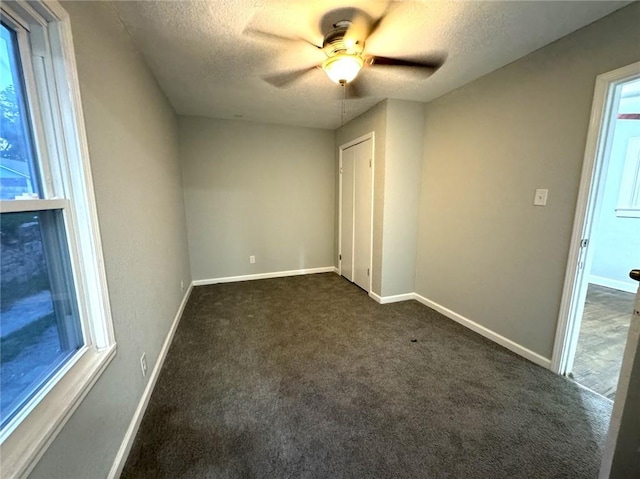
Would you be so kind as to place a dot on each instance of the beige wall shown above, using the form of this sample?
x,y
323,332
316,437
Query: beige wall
x,y
484,250
374,120
403,168
133,143
399,128
257,189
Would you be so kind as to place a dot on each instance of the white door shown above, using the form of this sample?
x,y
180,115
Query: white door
x,y
620,455
362,215
355,222
346,245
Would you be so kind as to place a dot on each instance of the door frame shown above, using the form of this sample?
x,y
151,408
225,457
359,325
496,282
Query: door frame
x,y
568,326
368,136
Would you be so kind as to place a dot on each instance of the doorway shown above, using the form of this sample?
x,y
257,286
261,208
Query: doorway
x,y
598,296
356,200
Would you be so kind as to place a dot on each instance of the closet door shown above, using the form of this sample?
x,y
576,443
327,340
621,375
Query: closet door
x,y
346,242
355,223
362,214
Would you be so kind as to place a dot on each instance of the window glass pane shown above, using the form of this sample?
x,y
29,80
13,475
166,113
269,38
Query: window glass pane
x,y
39,323
18,171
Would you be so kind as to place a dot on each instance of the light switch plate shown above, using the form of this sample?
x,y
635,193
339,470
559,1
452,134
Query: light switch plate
x,y
540,198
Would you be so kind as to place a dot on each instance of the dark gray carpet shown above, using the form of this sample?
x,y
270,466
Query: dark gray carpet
x,y
308,377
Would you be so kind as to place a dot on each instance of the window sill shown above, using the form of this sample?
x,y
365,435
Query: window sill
x,y
26,444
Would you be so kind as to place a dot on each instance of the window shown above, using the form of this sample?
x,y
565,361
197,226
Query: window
x,y
627,138
40,325
55,327
629,196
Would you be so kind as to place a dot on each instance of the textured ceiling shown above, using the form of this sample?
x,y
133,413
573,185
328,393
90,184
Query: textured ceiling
x,y
207,66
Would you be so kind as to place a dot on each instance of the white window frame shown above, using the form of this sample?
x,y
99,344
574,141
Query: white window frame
x,y
52,89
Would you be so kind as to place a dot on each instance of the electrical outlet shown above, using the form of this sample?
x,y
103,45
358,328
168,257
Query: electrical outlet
x,y
252,259
143,364
181,285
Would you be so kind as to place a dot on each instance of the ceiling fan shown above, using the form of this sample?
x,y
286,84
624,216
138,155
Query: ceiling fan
x,y
344,45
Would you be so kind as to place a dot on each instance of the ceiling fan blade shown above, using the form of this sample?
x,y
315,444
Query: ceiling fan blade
x,y
358,30
375,25
250,32
363,26
431,64
284,79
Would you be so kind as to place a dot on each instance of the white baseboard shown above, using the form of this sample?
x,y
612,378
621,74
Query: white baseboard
x,y
377,298
629,287
392,299
487,333
132,430
276,274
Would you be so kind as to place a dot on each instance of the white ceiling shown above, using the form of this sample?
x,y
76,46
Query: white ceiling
x,y
207,66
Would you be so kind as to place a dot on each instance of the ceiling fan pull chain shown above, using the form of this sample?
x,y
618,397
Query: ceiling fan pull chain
x,y
343,106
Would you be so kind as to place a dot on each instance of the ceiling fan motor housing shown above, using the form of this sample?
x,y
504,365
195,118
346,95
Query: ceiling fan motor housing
x,y
335,42
344,54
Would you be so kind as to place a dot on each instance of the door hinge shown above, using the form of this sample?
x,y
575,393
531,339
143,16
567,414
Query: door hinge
x,y
369,162
367,271
340,257
340,170
584,242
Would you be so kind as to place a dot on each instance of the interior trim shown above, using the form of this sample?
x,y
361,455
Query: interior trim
x,y
392,299
487,333
466,322
568,326
275,274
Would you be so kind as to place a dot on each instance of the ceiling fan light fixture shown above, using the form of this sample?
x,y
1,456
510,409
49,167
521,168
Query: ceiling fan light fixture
x,y
342,67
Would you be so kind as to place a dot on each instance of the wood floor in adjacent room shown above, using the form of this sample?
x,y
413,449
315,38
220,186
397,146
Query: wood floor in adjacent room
x,y
307,377
603,335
